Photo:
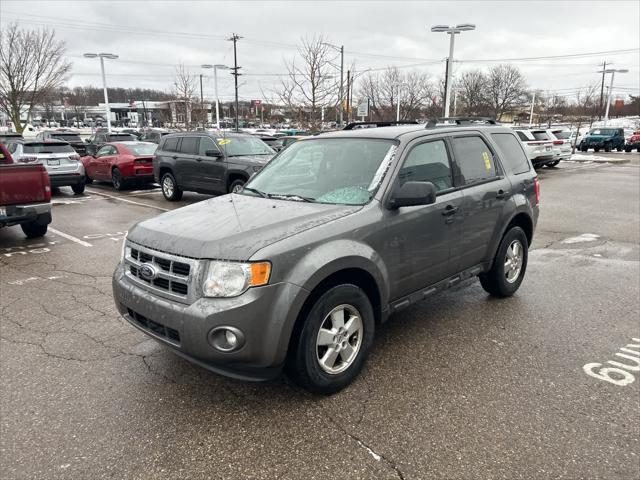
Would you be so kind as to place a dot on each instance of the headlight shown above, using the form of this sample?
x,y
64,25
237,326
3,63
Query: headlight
x,y
230,279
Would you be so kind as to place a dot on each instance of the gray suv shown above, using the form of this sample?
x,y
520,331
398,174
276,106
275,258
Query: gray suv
x,y
207,163
335,234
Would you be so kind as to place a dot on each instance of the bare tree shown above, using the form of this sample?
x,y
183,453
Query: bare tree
x,y
506,89
307,82
184,88
472,92
32,65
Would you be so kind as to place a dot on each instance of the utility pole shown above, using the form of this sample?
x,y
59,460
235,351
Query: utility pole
x,y
201,101
341,83
604,67
234,38
348,96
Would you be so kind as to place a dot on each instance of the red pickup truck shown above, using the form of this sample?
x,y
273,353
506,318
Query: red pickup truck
x,y
25,195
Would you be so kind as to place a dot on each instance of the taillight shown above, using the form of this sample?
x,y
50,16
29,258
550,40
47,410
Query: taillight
x,y
47,185
558,142
536,184
27,159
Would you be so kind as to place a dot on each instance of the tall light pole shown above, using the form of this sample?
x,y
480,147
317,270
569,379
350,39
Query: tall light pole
x,y
341,50
400,85
215,86
613,72
102,56
452,31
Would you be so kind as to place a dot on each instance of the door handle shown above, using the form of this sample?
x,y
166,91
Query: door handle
x,y
449,210
198,159
174,157
502,193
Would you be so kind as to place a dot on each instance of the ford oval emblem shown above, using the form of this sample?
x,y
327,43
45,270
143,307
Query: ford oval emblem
x,y
147,271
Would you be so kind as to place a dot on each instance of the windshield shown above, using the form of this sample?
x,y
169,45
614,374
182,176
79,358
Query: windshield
x,y
143,148
121,137
67,137
325,170
48,148
238,146
602,131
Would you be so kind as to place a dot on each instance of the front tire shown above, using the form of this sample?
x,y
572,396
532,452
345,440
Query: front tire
x,y
170,188
333,343
33,229
509,265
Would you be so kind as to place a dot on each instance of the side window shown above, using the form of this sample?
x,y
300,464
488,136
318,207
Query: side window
x,y
189,145
522,136
474,159
171,144
428,162
513,157
104,151
206,144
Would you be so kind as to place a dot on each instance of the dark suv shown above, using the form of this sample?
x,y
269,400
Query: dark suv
x,y
336,233
207,163
606,138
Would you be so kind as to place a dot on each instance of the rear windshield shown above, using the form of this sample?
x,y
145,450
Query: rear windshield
x,y
142,148
540,135
48,148
121,137
562,135
67,137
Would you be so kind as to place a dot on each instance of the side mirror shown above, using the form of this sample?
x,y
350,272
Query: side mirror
x,y
213,153
414,193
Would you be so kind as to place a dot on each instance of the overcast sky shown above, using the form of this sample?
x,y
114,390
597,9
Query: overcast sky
x,y
151,37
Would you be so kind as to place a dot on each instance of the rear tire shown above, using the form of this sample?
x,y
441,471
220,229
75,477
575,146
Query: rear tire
x,y
553,164
584,149
170,188
78,188
332,345
509,265
117,180
33,229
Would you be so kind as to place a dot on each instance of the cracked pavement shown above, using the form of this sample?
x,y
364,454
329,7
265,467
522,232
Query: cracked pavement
x,y
460,386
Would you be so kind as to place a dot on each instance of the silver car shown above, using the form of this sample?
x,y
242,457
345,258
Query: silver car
x,y
59,158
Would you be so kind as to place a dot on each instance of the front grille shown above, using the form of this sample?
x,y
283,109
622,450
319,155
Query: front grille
x,y
174,275
156,328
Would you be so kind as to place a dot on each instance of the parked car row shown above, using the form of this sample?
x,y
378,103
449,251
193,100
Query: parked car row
x,y
545,147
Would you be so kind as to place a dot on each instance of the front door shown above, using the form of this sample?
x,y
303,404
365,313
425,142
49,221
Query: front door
x,y
416,241
486,191
210,169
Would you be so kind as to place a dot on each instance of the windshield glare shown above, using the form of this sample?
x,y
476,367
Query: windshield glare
x,y
238,146
338,171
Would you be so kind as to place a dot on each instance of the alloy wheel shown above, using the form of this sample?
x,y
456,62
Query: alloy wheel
x,y
513,261
339,339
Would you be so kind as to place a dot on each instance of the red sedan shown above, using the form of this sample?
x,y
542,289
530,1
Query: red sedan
x,y
121,163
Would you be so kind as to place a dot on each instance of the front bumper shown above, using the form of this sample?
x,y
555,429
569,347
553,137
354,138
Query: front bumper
x,y
16,214
265,316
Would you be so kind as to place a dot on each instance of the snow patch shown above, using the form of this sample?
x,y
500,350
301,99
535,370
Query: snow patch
x,y
371,452
579,156
585,237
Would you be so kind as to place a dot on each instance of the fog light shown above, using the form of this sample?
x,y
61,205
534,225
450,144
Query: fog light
x,y
226,339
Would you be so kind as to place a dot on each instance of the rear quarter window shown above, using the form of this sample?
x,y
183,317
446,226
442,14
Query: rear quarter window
x,y
474,158
512,155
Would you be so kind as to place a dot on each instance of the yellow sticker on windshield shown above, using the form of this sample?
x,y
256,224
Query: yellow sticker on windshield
x,y
224,141
487,160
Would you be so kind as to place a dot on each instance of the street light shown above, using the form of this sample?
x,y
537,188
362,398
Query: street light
x,y
613,72
341,50
453,31
215,84
400,85
102,56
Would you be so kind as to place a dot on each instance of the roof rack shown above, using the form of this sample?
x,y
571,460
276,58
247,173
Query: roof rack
x,y
391,123
449,121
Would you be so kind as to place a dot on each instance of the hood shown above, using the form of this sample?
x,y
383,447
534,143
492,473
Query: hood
x,y
232,227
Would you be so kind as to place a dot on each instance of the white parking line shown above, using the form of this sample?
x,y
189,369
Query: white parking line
x,y
70,237
130,201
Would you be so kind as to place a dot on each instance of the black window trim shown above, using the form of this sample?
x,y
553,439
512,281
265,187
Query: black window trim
x,y
500,172
215,144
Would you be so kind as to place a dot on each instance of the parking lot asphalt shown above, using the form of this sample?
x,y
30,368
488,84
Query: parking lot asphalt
x,y
462,386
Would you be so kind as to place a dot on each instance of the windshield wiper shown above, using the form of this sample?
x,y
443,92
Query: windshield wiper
x,y
262,194
291,196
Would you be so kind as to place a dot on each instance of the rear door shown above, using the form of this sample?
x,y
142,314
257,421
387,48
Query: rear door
x,y
486,190
187,162
211,170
